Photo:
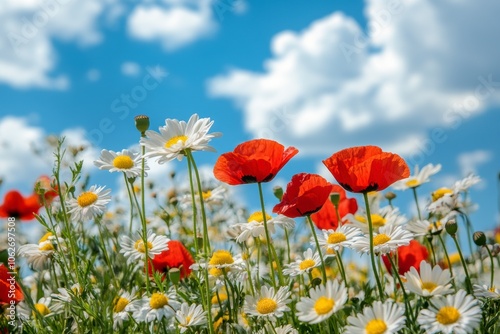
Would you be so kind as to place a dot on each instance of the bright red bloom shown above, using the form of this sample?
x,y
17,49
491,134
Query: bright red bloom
x,y
408,256
366,168
9,289
326,218
305,194
257,160
177,256
17,206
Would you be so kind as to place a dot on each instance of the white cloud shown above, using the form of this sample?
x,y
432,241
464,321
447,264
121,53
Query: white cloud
x,y
21,140
130,69
27,31
469,162
174,24
332,85
93,74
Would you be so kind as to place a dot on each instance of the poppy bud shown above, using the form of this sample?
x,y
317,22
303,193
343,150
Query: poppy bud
x,y
278,192
142,123
479,238
390,195
451,227
335,198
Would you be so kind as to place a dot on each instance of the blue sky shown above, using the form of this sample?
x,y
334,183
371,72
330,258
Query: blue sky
x,y
417,78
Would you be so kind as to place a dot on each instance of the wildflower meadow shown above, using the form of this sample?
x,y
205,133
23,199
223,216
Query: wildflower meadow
x,y
316,257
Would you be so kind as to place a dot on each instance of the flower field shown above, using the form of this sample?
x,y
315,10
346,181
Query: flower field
x,y
316,258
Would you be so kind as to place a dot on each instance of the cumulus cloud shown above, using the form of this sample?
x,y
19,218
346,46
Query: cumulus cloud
x,y
27,31
174,24
469,162
21,140
130,69
334,85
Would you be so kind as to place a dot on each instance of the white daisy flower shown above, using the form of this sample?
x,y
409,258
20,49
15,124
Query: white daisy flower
x,y
222,263
177,136
135,250
430,282
66,295
424,227
211,198
286,329
42,308
385,216
189,316
457,313
485,291
333,240
125,161
160,305
303,265
324,301
388,239
420,177
89,203
444,201
386,318
124,305
255,226
39,255
268,303
466,183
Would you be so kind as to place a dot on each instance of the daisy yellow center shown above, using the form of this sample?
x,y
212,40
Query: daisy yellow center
x,y
47,246
412,183
158,300
377,220
323,305
222,297
174,140
306,264
45,237
266,306
221,257
447,315
216,272
429,286
188,319
206,194
86,199
42,309
139,246
380,239
336,238
440,193
123,162
375,326
258,217
330,251
120,305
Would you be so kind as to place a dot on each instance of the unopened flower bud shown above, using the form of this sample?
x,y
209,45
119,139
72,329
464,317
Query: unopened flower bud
x,y
335,198
175,275
390,195
451,227
278,192
479,238
142,123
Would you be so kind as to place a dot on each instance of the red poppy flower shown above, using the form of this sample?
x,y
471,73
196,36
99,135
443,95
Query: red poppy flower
x,y
366,168
15,205
408,256
326,217
305,194
177,256
257,160
9,289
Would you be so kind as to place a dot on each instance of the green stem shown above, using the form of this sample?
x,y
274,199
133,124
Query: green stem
x,y
206,239
323,268
447,259
143,218
268,239
195,210
492,269
467,278
405,296
416,202
131,204
341,266
372,255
